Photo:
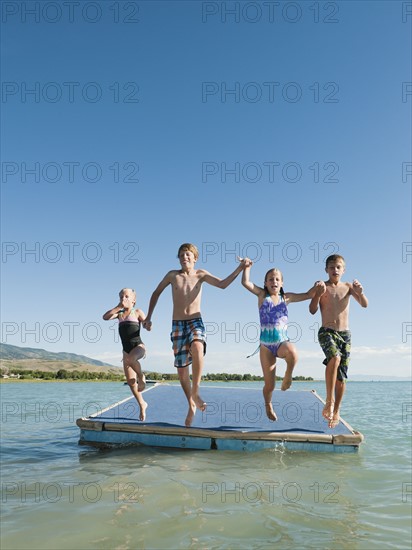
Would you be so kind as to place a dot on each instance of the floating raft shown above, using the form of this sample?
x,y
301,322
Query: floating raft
x,y
235,419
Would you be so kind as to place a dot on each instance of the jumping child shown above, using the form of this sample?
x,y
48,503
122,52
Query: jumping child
x,y
334,335
133,347
188,332
274,341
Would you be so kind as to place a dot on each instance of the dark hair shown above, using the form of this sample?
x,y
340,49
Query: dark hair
x,y
334,258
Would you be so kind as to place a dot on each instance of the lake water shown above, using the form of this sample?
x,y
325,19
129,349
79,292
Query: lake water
x,y
59,495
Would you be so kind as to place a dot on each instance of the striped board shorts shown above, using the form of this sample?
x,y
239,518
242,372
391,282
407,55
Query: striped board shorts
x,y
182,335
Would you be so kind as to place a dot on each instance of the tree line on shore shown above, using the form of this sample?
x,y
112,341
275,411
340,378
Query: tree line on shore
x,y
63,374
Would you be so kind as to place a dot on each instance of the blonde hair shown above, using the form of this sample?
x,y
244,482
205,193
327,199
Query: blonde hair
x,y
190,247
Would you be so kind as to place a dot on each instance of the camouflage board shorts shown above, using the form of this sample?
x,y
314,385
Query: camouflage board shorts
x,y
336,343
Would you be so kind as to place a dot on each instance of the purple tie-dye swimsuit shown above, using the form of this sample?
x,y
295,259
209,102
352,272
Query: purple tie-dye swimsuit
x,y
273,324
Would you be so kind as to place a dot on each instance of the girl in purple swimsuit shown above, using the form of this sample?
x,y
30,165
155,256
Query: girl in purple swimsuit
x,y
274,341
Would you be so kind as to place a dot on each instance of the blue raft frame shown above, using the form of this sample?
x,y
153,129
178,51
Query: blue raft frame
x,y
235,420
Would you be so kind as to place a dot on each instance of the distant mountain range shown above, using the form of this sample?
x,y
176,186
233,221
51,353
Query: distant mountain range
x,y
37,358
40,359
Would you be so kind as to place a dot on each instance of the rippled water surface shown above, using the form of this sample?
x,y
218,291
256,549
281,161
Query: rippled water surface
x,y
59,495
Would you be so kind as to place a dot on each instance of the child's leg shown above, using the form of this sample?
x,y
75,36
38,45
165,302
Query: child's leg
x,y
287,351
341,375
197,351
340,387
268,362
138,353
131,377
184,380
331,373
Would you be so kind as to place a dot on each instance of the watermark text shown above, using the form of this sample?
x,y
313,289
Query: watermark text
x,y
270,251
68,491
269,172
69,172
69,92
269,92
274,492
53,252
269,11
29,12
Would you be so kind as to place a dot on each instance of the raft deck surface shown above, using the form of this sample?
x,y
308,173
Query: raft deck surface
x,y
235,419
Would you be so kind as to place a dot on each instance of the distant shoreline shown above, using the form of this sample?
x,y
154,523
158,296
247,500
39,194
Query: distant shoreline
x,y
59,381
34,380
94,381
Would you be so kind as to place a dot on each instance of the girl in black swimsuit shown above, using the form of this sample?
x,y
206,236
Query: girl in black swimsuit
x,y
133,347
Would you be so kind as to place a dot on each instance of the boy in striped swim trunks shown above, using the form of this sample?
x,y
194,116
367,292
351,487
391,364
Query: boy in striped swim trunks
x,y
188,333
334,335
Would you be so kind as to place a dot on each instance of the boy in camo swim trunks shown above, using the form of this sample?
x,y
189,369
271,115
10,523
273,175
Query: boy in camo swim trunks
x,y
334,335
188,333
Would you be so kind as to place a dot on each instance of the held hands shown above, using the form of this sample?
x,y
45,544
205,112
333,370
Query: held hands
x,y
357,287
147,324
320,288
245,262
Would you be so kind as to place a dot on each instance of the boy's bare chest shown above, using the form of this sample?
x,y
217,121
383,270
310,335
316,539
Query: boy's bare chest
x,y
335,295
186,284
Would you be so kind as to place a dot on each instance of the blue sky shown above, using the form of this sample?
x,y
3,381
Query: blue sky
x,y
280,130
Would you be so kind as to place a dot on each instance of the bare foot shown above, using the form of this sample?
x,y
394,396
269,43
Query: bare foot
x,y
327,412
142,383
287,381
270,413
191,414
143,408
198,401
334,420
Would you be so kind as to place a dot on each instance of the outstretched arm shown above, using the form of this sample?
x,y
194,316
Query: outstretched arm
x,y
357,293
301,296
154,298
247,283
223,283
